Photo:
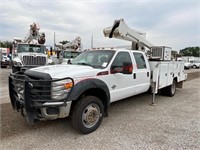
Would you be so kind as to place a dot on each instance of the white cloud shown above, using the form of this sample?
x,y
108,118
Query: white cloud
x,y
172,23
178,29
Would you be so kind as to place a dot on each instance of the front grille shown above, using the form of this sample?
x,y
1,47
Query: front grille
x,y
28,95
35,91
39,91
34,60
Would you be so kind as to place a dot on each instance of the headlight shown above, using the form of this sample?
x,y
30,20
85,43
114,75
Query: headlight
x,y
60,89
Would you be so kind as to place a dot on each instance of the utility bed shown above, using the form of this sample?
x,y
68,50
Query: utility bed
x,y
164,72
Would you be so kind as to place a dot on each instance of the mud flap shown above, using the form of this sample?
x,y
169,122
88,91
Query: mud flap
x,y
179,84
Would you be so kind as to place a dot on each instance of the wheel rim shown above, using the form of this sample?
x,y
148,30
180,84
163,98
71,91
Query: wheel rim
x,y
173,87
91,115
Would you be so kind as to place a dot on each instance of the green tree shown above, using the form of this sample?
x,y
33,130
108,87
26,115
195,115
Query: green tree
x,y
191,51
6,44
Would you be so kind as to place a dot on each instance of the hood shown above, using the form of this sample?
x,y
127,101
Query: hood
x,y
62,71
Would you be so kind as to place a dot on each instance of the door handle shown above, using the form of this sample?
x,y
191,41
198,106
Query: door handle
x,y
147,74
134,76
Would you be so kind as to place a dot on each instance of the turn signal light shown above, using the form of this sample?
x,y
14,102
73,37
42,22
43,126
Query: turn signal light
x,y
68,85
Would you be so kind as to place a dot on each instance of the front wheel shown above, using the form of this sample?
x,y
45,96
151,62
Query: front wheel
x,y
87,114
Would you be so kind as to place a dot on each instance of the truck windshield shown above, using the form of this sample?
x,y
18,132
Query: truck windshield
x,y
70,54
30,48
95,59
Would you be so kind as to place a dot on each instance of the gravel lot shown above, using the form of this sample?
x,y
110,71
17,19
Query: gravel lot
x,y
174,123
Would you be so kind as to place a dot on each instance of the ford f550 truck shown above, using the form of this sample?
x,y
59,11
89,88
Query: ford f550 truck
x,y
85,88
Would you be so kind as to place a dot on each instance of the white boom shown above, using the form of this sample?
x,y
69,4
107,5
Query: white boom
x,y
75,45
34,34
120,30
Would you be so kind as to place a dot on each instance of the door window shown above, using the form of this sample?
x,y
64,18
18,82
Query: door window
x,y
117,65
140,61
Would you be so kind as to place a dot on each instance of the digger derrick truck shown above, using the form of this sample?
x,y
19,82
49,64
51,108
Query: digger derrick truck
x,y
85,88
67,52
30,52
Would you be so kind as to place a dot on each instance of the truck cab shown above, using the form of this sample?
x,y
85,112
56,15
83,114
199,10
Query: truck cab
x,y
69,55
94,78
26,56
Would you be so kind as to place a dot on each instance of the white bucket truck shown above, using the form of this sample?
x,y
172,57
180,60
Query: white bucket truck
x,y
30,52
85,88
65,53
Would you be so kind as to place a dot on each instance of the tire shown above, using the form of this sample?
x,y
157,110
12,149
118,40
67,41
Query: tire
x,y
3,66
194,67
187,68
87,114
170,90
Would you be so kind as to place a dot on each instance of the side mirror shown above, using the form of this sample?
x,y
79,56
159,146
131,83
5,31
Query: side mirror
x,y
127,68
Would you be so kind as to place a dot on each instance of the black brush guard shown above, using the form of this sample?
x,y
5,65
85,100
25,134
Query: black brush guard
x,y
28,95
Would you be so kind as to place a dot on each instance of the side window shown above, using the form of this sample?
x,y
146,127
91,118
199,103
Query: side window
x,y
122,57
140,61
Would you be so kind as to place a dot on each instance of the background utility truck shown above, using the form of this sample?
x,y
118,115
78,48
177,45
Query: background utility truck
x,y
5,61
85,88
30,52
67,52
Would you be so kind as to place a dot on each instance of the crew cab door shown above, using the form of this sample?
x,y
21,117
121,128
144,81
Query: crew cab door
x,y
136,80
121,82
141,73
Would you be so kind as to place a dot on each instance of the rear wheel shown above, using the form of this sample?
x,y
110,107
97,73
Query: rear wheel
x,y
170,90
194,66
87,115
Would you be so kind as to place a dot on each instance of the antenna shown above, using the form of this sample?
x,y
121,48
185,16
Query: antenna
x,y
92,42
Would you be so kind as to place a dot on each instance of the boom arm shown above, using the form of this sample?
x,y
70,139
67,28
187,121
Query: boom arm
x,y
75,44
34,34
120,30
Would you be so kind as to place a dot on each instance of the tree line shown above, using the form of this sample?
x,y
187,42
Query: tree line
x,y
188,51
5,44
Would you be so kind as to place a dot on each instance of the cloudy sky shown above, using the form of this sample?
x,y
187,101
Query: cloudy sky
x,y
174,23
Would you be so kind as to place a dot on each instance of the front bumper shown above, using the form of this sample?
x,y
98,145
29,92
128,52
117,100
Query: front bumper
x,y
32,97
